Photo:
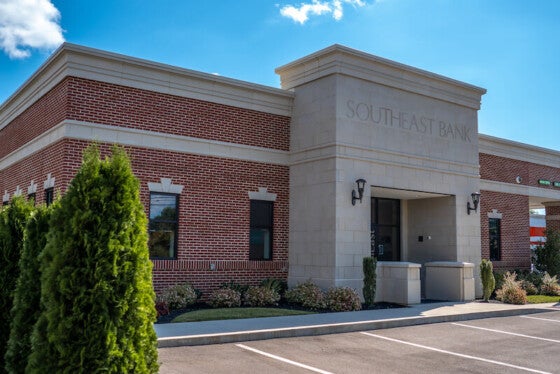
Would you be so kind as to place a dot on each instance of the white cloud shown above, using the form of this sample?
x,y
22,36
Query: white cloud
x,y
316,8
26,24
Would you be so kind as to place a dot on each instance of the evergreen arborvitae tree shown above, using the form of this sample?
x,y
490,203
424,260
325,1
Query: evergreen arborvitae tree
x,y
96,284
27,294
547,255
369,266
487,277
13,219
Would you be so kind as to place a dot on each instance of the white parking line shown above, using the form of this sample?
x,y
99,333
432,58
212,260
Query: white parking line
x,y
456,354
507,333
542,319
283,359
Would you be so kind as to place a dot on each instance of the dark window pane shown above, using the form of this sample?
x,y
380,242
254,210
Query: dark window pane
x,y
260,244
49,196
163,224
260,236
388,212
495,240
162,243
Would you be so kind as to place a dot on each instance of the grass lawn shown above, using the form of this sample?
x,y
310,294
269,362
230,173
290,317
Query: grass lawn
x,y
537,299
235,313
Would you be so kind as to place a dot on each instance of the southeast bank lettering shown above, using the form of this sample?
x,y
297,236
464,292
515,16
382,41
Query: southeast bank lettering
x,y
407,121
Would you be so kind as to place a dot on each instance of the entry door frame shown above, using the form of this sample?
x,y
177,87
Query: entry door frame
x,y
375,226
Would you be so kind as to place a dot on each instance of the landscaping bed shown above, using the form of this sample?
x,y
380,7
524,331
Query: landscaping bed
x,y
203,312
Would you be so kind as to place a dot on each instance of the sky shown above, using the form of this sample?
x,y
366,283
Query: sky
x,y
509,47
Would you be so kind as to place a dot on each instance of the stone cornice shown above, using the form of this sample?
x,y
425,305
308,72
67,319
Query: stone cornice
x,y
338,59
83,62
518,151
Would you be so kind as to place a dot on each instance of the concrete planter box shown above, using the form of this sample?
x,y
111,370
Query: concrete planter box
x,y
452,281
398,282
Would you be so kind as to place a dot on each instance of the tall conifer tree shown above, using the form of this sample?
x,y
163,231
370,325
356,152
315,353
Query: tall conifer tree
x,y
96,285
13,219
27,294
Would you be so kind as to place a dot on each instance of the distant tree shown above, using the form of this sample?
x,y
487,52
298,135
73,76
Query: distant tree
x,y
26,310
96,284
13,219
547,254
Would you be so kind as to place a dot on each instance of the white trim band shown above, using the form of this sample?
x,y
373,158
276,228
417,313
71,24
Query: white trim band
x,y
145,139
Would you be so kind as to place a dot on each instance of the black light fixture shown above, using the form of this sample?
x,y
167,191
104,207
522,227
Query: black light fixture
x,y
361,183
475,196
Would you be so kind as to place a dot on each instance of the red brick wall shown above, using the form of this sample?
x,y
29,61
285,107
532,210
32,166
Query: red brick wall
x,y
515,208
516,252
553,216
213,209
104,103
502,169
54,159
116,105
214,217
214,205
45,113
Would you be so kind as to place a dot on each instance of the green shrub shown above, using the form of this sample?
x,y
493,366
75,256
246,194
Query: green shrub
x,y
369,265
278,285
241,288
307,295
533,277
13,219
97,286
178,296
511,291
529,287
550,286
343,299
547,255
258,296
487,277
225,298
27,295
498,279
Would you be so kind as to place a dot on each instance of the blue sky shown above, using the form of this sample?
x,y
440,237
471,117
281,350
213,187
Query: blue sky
x,y
509,47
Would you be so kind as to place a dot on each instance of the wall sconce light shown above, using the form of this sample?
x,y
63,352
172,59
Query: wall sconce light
x,y
475,196
361,183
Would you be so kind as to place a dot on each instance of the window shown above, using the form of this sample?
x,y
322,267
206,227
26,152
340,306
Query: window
x,y
5,202
260,237
32,196
495,236
163,225
49,196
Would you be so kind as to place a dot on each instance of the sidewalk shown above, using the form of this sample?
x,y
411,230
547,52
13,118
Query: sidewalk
x,y
229,331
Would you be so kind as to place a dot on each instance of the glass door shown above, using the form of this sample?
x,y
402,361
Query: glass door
x,y
386,229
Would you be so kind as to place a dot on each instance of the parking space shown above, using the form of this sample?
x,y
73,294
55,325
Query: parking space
x,y
495,345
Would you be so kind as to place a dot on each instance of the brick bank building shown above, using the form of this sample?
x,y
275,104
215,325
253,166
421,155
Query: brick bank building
x,y
355,156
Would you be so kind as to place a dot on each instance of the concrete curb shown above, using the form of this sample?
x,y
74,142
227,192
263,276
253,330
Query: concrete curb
x,y
334,328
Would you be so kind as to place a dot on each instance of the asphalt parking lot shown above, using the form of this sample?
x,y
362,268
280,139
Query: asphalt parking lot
x,y
516,344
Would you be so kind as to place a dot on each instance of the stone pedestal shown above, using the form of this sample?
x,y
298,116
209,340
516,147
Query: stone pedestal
x,y
398,282
452,281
